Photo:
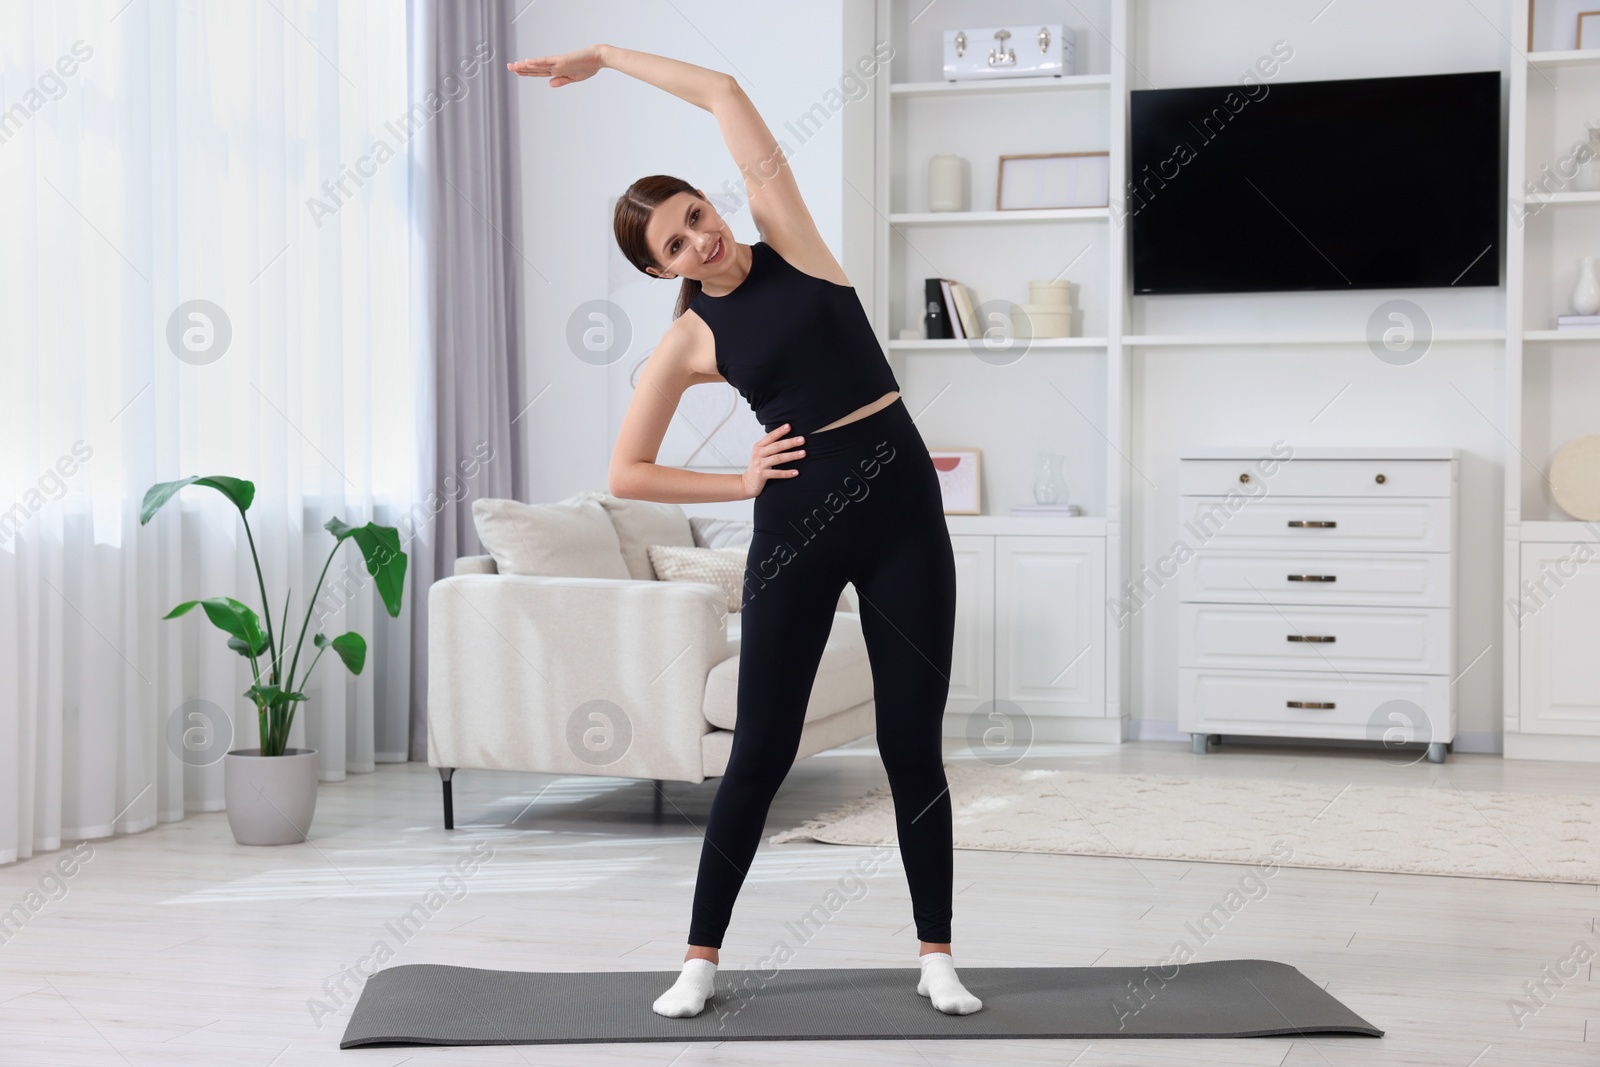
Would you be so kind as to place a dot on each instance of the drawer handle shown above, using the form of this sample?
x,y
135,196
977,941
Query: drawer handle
x,y
1321,523
1319,638
1309,703
1312,577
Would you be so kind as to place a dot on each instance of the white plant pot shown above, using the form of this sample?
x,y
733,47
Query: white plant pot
x,y
270,799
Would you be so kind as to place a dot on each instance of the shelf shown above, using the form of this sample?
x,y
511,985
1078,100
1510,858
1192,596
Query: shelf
x,y
1563,198
1564,58
945,344
1153,340
1046,84
956,218
1561,335
1561,531
1040,525
1318,452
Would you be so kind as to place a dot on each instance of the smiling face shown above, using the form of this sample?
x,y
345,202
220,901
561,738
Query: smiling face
x,y
684,234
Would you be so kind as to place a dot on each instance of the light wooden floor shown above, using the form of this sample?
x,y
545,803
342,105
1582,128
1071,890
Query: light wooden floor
x,y
178,946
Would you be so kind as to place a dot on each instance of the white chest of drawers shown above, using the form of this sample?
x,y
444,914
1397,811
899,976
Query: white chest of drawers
x,y
1317,594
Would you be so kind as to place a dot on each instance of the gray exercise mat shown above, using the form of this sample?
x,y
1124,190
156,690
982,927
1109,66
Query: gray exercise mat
x,y
435,1004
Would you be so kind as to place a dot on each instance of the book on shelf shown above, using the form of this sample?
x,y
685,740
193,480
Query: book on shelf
x,y
950,310
966,306
1046,509
934,318
1577,322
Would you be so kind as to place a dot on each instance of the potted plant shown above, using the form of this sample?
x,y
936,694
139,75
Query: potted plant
x,y
271,790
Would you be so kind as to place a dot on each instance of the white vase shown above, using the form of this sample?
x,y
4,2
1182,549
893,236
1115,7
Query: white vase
x,y
947,186
1586,294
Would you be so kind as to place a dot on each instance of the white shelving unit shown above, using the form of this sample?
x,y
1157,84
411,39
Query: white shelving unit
x,y
1037,630
1551,694
1552,562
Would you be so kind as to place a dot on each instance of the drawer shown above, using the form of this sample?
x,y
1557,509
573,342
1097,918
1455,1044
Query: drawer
x,y
1316,477
1418,524
1261,702
1404,640
1377,579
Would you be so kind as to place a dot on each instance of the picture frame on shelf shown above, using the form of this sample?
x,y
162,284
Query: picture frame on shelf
x,y
960,479
1053,180
1588,21
1557,25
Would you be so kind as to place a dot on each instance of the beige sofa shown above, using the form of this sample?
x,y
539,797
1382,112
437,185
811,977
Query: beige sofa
x,y
634,677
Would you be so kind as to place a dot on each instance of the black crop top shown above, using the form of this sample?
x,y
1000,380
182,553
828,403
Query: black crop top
x,y
799,348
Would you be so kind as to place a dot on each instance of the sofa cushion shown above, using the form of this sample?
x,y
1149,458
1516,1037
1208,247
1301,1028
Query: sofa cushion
x,y
844,676
642,523
719,566
720,533
571,538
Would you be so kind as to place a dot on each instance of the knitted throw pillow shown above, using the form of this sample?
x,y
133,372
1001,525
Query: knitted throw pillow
x,y
719,566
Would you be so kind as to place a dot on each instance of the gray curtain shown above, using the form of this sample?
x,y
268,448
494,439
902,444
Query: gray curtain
x,y
467,200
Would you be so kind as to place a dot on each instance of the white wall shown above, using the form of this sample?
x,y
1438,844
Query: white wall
x,y
583,144
1322,395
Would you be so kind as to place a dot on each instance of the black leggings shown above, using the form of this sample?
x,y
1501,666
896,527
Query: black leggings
x,y
866,509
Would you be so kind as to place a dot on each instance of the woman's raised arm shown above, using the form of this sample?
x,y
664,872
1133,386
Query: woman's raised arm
x,y
776,206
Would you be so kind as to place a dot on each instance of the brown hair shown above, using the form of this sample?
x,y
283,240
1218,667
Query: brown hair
x,y
634,208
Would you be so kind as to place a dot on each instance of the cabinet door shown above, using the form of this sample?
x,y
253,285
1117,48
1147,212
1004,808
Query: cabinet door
x,y
1050,624
1559,671
972,660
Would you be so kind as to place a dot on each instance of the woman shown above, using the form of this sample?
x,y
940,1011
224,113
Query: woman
x,y
843,489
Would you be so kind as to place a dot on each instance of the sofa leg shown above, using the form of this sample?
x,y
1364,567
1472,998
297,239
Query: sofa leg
x,y
445,774
660,786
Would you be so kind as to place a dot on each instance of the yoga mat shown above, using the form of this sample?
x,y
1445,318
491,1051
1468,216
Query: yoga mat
x,y
436,1004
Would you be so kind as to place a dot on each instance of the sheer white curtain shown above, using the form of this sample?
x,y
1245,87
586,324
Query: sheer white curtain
x,y
258,157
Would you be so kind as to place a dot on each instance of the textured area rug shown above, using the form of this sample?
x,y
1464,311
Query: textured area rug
x,y
435,1004
1467,834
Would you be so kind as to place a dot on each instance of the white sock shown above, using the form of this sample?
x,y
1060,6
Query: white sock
x,y
690,992
940,984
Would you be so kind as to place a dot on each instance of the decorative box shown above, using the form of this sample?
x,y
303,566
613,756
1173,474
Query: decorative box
x,y
1036,50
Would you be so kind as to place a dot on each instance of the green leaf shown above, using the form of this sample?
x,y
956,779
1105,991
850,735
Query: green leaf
x,y
380,547
265,695
352,648
339,528
232,617
181,609
237,490
240,647
272,696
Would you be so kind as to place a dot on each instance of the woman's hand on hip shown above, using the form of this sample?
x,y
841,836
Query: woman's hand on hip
x,y
767,452
569,67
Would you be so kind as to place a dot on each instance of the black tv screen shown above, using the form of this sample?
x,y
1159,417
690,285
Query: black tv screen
x,y
1362,183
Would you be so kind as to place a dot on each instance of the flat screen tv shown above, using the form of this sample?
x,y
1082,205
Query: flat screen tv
x,y
1362,183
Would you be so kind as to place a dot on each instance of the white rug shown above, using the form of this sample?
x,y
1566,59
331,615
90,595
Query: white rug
x,y
1444,830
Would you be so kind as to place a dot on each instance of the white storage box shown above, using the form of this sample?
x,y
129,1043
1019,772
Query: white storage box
x,y
1025,51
